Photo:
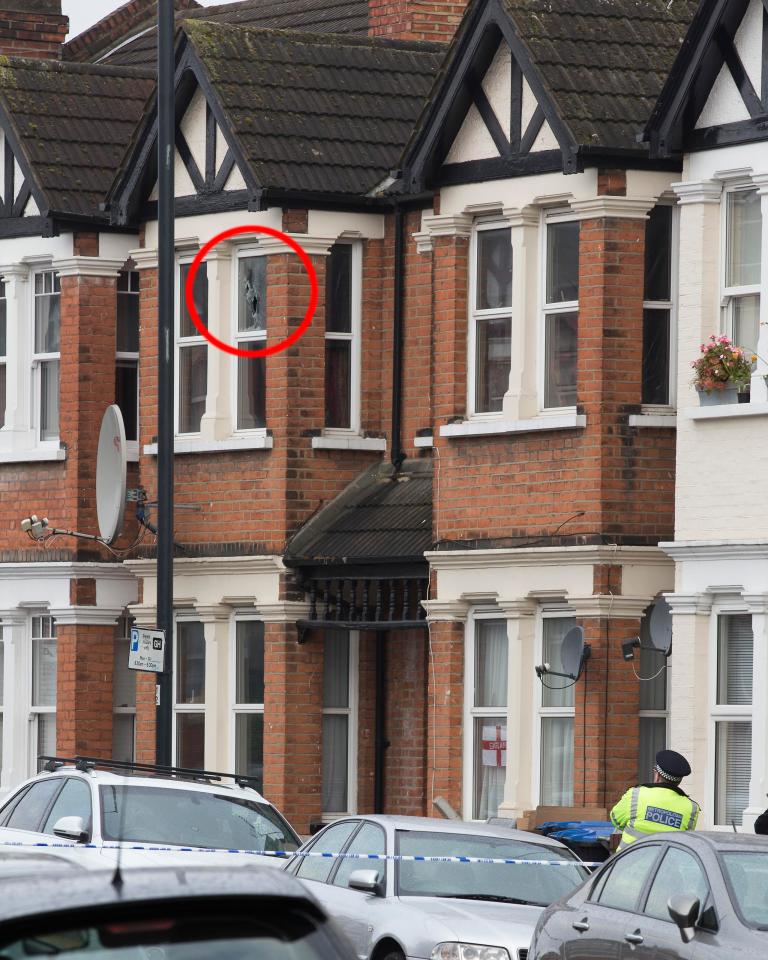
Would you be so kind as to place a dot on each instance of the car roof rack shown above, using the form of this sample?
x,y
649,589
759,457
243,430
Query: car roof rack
x,y
85,764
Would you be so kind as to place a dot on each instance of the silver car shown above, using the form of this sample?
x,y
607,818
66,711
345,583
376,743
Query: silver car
x,y
392,910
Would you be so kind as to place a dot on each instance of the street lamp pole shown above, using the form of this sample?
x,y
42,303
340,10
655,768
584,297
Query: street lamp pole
x,y
165,368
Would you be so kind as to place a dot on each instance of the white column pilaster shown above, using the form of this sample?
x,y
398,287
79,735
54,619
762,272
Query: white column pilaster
x,y
216,423
17,430
759,386
15,712
518,787
215,620
520,400
758,783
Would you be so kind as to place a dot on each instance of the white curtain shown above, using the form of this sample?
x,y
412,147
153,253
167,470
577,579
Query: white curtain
x,y
491,652
557,761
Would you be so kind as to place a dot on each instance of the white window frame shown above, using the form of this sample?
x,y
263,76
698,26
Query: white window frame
x,y
177,707
35,712
4,356
353,724
557,215
730,294
2,696
471,712
235,707
242,337
659,714
553,611
129,356
719,713
355,337
473,314
38,359
672,306
180,343
123,633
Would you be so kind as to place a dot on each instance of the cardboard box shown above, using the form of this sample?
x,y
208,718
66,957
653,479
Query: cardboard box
x,y
531,819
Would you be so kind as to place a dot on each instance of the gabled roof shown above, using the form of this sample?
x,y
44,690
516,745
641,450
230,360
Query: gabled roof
x,y
313,16
383,516
69,124
596,68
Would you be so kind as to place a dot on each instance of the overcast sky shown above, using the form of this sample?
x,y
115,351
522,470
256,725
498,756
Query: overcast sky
x,y
83,13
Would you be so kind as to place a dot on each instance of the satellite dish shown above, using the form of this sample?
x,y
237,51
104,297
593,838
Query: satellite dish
x,y
660,626
111,466
575,652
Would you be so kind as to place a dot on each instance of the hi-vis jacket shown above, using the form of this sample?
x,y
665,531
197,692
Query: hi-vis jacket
x,y
653,808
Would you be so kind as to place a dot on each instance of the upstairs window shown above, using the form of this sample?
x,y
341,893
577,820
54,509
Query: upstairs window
x,y
657,307
192,353
561,312
490,331
251,335
743,246
3,350
46,358
127,357
342,338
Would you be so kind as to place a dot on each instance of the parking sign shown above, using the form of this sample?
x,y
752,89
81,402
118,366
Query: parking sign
x,y
147,651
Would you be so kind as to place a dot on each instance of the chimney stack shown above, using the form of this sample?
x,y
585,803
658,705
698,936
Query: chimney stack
x,y
32,28
415,19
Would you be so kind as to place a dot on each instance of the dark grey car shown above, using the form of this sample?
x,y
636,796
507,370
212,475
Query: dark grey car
x,y
675,895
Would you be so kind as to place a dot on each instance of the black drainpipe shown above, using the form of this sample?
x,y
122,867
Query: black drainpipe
x,y
397,340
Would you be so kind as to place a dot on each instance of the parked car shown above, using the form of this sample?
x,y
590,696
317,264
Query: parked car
x,y
390,910
167,914
85,810
18,863
672,895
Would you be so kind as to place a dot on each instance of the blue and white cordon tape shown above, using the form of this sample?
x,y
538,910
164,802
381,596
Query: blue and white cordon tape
x,y
287,854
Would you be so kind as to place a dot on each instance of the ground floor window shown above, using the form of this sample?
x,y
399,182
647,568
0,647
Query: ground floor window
x,y
556,716
732,718
189,705
249,700
123,696
652,668
339,763
2,689
43,700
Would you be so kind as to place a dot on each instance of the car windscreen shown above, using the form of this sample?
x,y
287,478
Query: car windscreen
x,y
191,818
523,883
747,874
171,938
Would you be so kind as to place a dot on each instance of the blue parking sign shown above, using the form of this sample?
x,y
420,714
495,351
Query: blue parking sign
x,y
134,639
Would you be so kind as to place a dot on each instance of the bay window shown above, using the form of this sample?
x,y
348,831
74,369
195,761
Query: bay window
x,y
342,337
3,349
192,353
339,764
43,699
561,312
487,683
653,705
123,695
490,329
46,358
743,245
249,699
2,693
556,715
657,308
251,334
732,718
127,356
189,706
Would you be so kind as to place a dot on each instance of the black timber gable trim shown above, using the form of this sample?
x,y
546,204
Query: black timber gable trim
x,y
461,86
14,208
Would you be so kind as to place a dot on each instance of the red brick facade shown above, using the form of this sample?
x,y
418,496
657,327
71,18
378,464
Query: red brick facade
x,y
434,20
32,28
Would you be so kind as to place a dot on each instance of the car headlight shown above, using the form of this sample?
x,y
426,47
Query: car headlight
x,y
468,951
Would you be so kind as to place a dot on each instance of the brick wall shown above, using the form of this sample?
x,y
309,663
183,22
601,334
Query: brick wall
x,y
445,711
85,660
434,20
406,719
32,28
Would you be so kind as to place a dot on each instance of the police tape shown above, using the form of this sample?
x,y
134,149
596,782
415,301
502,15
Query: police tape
x,y
287,854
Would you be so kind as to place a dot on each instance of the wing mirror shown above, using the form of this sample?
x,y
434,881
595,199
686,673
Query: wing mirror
x,y
71,828
684,910
368,881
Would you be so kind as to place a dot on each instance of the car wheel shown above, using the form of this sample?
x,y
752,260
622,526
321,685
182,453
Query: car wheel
x,y
392,954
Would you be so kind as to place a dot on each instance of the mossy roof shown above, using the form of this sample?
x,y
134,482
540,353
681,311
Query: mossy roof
x,y
73,123
316,112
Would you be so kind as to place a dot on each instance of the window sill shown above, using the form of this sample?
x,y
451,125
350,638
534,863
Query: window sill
x,y
668,420
486,428
424,442
350,442
727,411
39,455
264,442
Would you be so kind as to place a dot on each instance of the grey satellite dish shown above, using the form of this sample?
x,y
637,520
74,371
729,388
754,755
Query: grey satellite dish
x,y
660,626
111,466
575,652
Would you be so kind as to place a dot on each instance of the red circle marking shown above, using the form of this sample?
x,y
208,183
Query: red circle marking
x,y
313,291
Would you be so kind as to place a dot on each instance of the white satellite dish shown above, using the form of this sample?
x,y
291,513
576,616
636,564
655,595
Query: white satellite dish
x,y
111,467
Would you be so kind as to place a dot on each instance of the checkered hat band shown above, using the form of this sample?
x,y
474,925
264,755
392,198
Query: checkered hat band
x,y
667,776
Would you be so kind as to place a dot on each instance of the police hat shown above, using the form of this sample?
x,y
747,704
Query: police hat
x,y
672,766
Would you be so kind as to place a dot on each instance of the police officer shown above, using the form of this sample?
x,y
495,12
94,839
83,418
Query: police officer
x,y
659,806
